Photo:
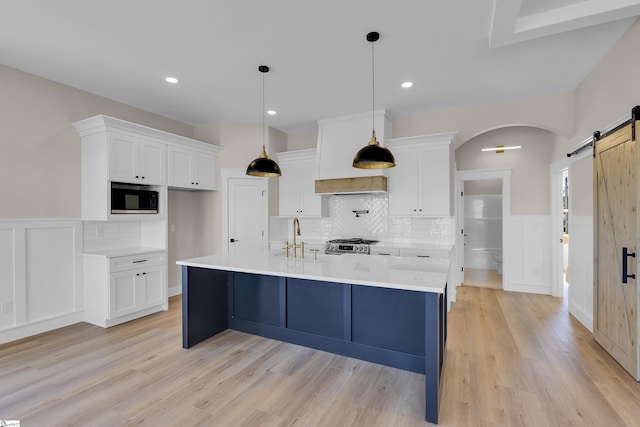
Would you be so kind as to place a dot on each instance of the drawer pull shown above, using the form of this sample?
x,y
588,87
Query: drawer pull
x,y
139,261
384,253
423,256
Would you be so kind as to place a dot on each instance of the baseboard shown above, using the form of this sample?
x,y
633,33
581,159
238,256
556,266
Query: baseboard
x,y
581,316
174,290
39,327
531,288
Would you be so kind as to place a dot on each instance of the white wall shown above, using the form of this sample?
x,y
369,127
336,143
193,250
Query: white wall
x,y
529,165
192,217
40,150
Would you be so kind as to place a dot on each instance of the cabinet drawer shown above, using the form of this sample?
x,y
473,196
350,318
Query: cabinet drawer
x,y
142,260
426,253
385,251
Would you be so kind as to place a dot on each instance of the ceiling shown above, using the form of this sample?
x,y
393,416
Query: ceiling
x,y
456,52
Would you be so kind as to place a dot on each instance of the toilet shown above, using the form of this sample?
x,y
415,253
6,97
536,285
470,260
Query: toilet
x,y
497,257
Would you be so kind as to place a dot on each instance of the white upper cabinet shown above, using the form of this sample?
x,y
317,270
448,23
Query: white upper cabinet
x,y
114,150
192,169
136,160
297,196
420,184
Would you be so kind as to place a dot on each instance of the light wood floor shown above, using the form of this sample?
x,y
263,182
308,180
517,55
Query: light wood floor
x,y
511,360
482,278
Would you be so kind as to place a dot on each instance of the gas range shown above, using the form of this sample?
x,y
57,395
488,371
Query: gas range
x,y
344,246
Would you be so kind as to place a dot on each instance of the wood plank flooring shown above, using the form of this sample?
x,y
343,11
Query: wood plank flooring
x,y
482,278
512,360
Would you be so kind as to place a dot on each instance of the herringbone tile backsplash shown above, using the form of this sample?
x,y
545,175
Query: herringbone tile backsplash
x,y
376,224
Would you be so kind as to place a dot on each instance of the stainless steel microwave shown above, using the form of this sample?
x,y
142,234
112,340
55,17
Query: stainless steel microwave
x,y
133,199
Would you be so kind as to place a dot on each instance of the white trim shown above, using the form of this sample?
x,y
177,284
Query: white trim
x,y
41,326
503,174
555,191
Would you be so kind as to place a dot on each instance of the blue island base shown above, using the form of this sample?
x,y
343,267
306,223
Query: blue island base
x,y
398,328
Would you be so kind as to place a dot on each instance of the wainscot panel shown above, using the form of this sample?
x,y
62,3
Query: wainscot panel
x,y
40,276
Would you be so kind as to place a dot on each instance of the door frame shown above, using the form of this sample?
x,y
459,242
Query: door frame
x,y
226,174
503,174
555,181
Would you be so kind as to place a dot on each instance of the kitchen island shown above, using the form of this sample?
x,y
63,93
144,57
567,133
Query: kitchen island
x,y
383,309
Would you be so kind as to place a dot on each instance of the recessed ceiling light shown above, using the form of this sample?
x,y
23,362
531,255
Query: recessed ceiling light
x,y
272,112
171,80
406,85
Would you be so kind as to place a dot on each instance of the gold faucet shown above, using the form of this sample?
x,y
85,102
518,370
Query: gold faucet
x,y
294,246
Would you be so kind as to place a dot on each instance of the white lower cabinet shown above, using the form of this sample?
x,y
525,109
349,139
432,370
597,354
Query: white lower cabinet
x,y
134,290
425,253
385,251
123,288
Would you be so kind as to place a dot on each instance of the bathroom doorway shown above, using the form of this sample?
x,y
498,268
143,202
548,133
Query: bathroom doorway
x,y
482,215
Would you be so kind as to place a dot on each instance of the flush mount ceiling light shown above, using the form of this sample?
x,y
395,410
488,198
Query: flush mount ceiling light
x,y
172,80
501,148
272,112
373,155
406,85
263,165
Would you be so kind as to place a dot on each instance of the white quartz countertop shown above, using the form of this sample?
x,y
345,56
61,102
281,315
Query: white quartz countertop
x,y
113,253
413,274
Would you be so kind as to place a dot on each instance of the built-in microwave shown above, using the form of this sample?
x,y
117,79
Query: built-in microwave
x,y
133,199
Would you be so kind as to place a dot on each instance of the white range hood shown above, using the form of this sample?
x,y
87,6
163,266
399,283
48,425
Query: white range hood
x,y
339,139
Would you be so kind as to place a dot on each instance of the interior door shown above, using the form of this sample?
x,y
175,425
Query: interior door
x,y
615,223
246,213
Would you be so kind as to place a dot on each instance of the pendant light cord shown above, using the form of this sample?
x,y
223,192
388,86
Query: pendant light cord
x,y
373,89
263,119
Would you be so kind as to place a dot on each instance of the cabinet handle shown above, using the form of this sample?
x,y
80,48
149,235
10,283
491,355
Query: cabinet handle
x,y
137,274
384,253
144,273
423,256
626,254
137,176
138,261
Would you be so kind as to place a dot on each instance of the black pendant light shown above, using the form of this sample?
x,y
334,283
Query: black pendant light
x,y
263,165
373,155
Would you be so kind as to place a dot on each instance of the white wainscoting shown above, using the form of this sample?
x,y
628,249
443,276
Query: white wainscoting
x,y
40,276
580,272
529,254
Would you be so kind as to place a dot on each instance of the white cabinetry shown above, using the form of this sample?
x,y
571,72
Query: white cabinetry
x,y
420,184
192,169
425,253
385,251
114,150
137,160
297,184
123,288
